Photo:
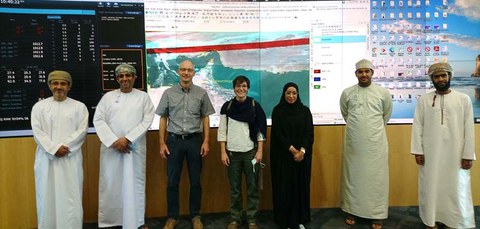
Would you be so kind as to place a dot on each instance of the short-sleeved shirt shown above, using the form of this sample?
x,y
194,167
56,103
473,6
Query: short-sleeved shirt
x,y
185,109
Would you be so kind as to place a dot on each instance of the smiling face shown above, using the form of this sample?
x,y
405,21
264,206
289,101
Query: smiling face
x,y
126,81
241,91
364,76
291,95
186,72
60,89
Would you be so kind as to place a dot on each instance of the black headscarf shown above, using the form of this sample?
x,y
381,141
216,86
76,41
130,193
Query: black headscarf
x,y
246,112
287,107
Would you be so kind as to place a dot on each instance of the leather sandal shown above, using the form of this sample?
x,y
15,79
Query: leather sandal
x,y
377,224
350,220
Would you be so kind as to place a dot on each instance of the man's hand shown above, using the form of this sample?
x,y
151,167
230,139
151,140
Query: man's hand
x,y
467,164
122,145
205,149
164,152
62,151
420,159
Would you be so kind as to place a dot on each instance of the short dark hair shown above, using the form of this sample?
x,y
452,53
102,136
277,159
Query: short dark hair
x,y
240,79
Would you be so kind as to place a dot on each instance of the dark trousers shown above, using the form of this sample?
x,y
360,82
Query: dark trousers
x,y
179,149
241,163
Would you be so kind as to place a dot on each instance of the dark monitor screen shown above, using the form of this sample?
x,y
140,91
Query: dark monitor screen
x,y
88,39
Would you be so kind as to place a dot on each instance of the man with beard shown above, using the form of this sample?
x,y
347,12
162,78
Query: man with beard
x,y
366,108
444,148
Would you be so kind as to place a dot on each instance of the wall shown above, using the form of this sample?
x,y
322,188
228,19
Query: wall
x,y
17,191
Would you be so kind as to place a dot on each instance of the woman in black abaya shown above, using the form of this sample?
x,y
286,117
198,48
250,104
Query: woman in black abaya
x,y
291,159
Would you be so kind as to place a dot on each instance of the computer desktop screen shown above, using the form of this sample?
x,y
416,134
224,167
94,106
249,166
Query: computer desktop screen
x,y
316,45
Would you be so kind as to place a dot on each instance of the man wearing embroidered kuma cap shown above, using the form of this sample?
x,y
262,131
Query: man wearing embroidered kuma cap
x,y
122,118
59,126
366,109
60,83
444,148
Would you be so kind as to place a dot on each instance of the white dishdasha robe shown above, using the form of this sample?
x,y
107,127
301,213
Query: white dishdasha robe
x,y
122,176
364,181
59,180
444,133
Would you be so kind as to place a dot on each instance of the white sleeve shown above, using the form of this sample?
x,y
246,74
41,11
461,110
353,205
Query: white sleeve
x,y
106,135
469,127
76,139
222,129
417,129
344,105
40,134
148,115
387,107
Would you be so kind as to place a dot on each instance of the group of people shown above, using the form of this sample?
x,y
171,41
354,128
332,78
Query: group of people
x,y
442,142
59,125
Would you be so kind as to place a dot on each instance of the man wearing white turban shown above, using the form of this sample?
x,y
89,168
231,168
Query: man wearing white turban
x,y
121,119
443,142
366,109
59,125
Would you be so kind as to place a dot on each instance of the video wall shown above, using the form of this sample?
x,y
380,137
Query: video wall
x,y
312,43
316,45
86,38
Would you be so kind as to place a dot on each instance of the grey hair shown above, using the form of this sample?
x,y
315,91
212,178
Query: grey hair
x,y
125,68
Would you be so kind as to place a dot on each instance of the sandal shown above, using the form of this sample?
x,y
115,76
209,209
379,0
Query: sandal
x,y
350,220
377,224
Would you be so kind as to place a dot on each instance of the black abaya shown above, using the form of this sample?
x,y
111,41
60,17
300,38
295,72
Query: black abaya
x,y
291,125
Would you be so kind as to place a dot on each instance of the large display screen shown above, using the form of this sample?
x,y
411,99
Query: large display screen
x,y
86,38
314,44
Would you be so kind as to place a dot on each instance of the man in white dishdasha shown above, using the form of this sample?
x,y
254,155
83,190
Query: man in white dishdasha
x,y
443,143
366,109
59,125
122,118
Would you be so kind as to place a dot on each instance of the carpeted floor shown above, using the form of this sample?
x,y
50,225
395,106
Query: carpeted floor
x,y
327,218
